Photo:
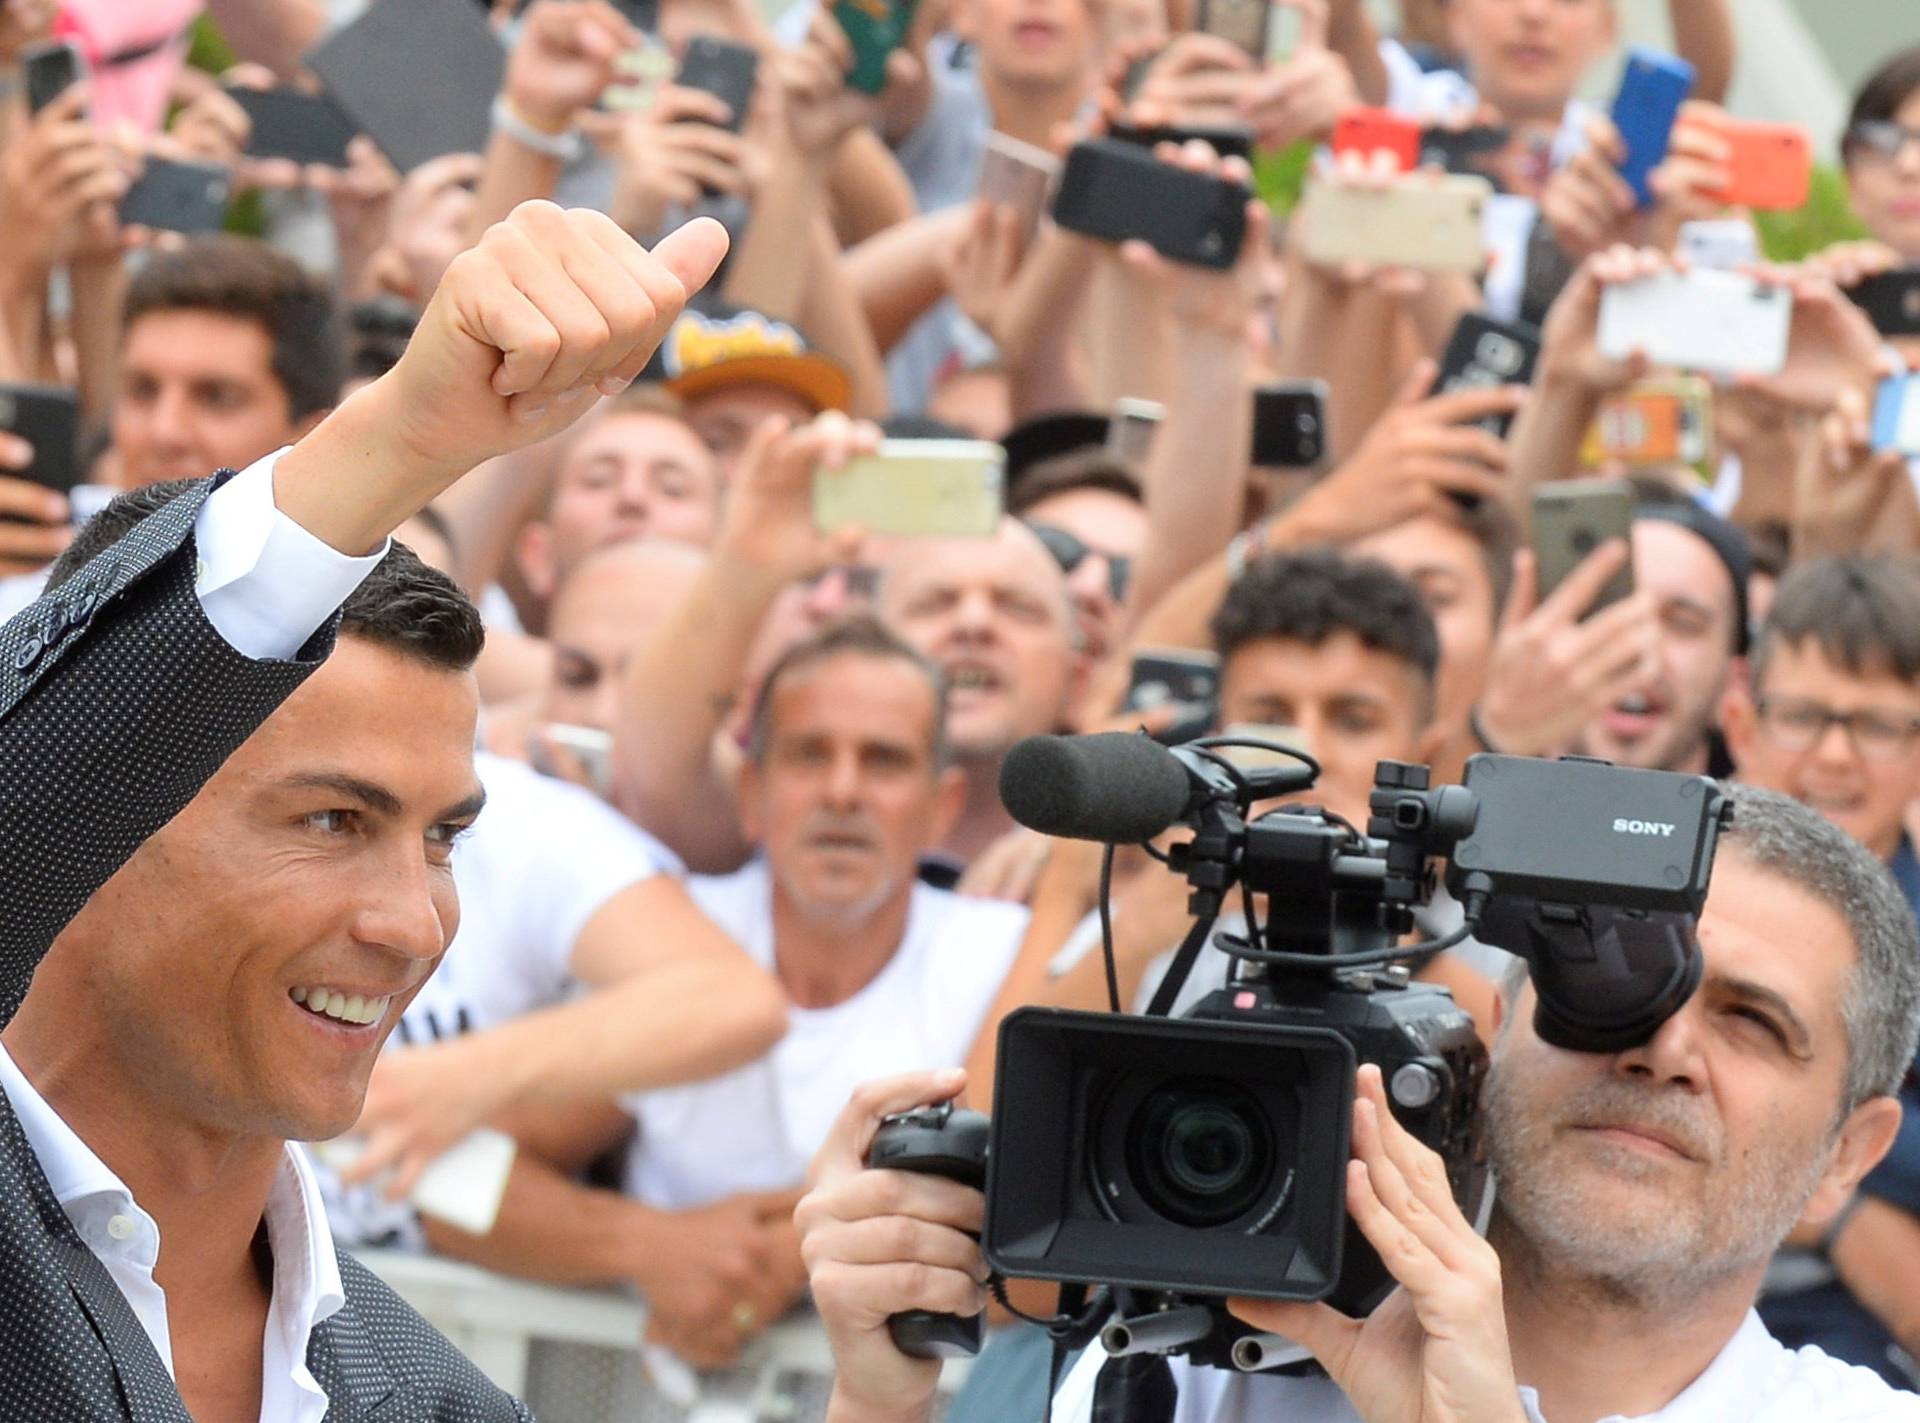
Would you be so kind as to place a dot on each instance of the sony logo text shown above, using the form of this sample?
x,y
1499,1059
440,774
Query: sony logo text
x,y
1642,827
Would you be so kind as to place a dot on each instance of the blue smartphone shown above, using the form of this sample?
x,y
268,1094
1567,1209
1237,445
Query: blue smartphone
x,y
1652,89
1896,416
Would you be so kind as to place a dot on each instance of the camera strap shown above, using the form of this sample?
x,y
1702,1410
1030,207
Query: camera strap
x,y
1168,993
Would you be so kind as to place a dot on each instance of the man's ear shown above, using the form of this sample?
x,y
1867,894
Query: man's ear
x,y
1865,1137
950,798
533,551
1739,717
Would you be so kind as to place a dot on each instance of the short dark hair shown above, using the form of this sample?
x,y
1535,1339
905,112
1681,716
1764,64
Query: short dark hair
x,y
861,635
1094,468
1312,595
1862,613
404,605
1885,91
239,277
378,330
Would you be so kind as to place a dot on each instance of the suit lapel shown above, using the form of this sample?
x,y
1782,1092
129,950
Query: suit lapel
x,y
144,1381
349,1369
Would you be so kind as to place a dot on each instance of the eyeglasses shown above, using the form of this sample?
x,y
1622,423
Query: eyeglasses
x,y
1069,551
1883,138
1800,725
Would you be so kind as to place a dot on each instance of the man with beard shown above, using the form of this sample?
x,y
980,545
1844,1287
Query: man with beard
x,y
1641,1194
846,784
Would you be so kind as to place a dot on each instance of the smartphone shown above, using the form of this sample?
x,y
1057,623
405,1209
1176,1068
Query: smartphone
x,y
1424,222
1572,518
1176,677
464,1185
1896,416
1891,301
1719,243
1720,322
1771,167
286,123
1130,432
1116,191
1470,151
916,488
875,29
1240,22
1483,353
643,15
590,745
178,197
418,78
1227,140
48,418
1663,421
723,69
1652,88
1290,424
49,70
1367,131
1019,175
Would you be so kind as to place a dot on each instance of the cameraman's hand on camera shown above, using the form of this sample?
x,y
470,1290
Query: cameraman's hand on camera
x,y
1436,1351
716,1276
880,1242
1554,669
35,522
1418,456
670,154
563,60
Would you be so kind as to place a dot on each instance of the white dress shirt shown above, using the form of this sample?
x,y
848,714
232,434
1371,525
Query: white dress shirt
x,y
266,585
1753,1379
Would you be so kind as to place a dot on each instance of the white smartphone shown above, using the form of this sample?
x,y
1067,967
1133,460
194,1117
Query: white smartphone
x,y
464,1185
1720,322
1130,432
1019,175
1719,244
916,488
1428,223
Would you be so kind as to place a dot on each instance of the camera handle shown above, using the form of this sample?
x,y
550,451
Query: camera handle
x,y
934,1141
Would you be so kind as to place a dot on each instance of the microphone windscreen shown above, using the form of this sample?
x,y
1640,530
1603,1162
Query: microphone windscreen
x,y
1114,786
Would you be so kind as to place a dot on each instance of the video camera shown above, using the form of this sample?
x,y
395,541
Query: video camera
x,y
1173,1162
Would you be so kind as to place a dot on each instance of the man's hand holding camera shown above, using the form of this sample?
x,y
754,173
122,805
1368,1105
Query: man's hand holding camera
x,y
1436,1350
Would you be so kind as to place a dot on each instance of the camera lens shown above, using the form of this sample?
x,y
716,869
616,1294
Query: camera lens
x,y
1201,1151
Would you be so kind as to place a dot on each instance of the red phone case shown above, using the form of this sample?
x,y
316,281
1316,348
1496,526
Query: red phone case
x,y
1771,166
1365,131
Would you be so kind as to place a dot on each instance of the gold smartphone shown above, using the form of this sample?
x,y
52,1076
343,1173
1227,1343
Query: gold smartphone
x,y
1428,223
916,489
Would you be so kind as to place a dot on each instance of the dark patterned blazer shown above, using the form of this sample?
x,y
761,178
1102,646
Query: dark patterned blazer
x,y
118,700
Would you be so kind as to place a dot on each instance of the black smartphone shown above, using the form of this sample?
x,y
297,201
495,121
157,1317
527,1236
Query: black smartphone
x,y
1483,353
1290,424
286,123
48,418
1227,140
1116,191
49,70
178,197
1465,150
723,69
643,15
1891,301
1176,677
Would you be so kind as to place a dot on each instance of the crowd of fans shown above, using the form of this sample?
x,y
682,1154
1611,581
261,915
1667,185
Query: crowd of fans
x,y
744,847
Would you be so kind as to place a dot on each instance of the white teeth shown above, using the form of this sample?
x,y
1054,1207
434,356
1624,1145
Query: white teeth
x,y
357,1009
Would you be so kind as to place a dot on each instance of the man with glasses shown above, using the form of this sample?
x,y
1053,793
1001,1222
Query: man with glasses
x,y
1832,718
1090,511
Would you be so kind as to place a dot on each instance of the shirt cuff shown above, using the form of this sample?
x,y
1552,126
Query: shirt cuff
x,y
266,584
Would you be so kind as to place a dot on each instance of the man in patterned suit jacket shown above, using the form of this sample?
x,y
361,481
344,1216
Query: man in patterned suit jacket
x,y
161,1253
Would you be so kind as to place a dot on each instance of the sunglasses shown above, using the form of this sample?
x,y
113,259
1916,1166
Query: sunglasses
x,y
1881,137
1070,552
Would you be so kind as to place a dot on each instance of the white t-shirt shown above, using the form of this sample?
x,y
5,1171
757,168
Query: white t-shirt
x,y
756,1128
543,858
1754,1379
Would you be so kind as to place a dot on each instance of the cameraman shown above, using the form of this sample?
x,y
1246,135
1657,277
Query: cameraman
x,y
1642,1194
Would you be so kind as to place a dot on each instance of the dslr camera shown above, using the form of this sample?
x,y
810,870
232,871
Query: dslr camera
x,y
1170,1162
